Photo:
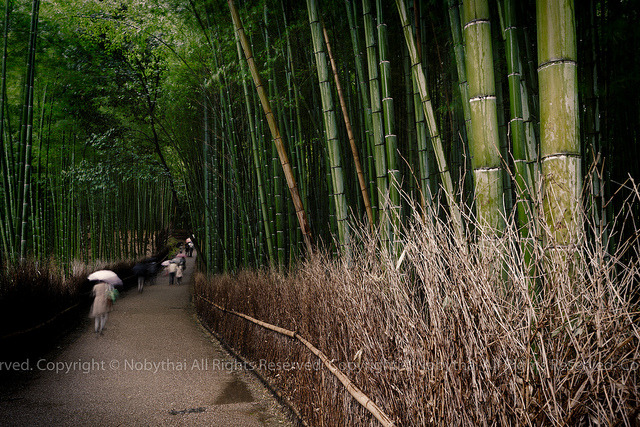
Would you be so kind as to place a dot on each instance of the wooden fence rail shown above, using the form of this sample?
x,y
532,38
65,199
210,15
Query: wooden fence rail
x,y
355,392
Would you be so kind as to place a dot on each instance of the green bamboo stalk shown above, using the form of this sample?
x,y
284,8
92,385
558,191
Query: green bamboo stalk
x,y
294,136
485,150
363,90
505,150
418,75
592,148
352,142
423,153
523,173
206,244
559,123
463,84
255,156
390,138
296,133
380,154
8,231
28,137
36,208
421,132
331,126
278,205
297,202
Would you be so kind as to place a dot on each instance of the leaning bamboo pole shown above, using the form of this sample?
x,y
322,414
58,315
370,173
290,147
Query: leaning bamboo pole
x,y
352,140
436,140
353,390
273,126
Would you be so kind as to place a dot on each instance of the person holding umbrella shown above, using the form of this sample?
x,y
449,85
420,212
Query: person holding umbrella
x,y
101,305
171,269
103,294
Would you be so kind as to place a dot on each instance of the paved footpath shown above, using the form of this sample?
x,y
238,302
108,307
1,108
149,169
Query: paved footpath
x,y
154,365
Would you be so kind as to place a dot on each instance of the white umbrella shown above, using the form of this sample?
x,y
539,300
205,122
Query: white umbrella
x,y
106,276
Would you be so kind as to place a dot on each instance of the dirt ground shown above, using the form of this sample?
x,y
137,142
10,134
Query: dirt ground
x,y
154,365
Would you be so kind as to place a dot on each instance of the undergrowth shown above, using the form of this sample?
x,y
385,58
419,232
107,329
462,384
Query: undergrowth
x,y
457,333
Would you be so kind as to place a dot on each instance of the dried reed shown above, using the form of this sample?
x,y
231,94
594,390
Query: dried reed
x,y
460,334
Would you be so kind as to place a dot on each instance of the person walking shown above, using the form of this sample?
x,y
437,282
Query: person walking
x,y
189,247
179,271
101,305
171,269
140,270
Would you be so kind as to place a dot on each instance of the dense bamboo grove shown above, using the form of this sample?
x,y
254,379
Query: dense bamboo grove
x,y
450,103
483,139
68,193
475,157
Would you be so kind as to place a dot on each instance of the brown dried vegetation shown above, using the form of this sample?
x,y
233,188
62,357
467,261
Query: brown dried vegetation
x,y
460,334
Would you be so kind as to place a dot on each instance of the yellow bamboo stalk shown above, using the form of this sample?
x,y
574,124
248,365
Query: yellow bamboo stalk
x,y
353,390
352,139
273,126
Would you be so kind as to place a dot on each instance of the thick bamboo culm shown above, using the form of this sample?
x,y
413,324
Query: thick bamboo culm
x,y
353,390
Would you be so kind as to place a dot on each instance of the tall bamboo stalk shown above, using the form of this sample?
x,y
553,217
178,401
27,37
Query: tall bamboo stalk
x,y
559,123
485,149
523,168
363,91
28,124
206,240
352,142
273,126
331,125
8,231
380,153
436,141
255,156
390,138
461,66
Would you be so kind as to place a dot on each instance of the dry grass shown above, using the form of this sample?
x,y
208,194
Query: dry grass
x,y
455,336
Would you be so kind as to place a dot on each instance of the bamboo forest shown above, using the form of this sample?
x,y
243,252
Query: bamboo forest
x,y
436,201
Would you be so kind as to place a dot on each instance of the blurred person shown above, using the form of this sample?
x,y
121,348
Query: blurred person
x,y
179,271
140,270
171,269
102,300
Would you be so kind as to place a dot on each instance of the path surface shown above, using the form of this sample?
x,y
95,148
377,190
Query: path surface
x,y
154,365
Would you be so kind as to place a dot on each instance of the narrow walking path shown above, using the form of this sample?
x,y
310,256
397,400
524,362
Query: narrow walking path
x,y
154,365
